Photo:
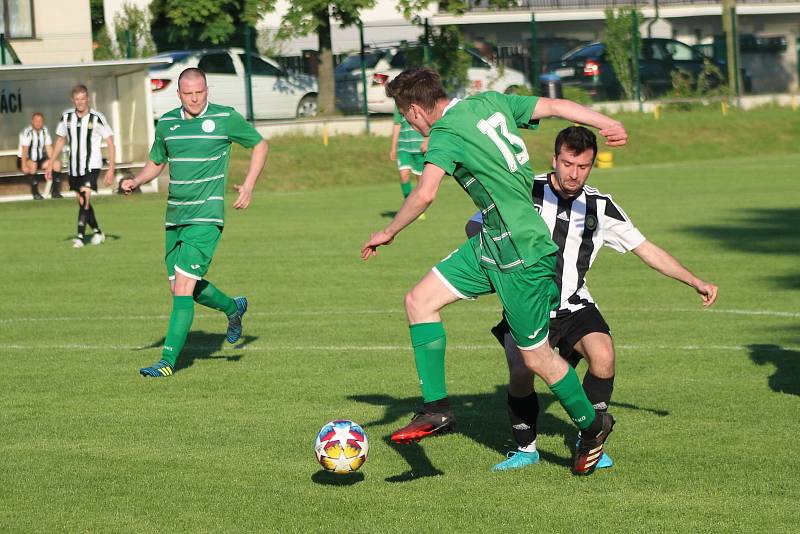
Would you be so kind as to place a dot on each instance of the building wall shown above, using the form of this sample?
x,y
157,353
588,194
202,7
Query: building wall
x,y
63,30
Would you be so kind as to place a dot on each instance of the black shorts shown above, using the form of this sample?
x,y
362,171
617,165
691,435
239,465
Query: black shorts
x,y
566,331
87,180
39,164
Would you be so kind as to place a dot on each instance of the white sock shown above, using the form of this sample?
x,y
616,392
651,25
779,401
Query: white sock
x,y
528,448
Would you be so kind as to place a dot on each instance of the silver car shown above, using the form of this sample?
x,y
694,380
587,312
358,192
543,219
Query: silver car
x,y
276,94
383,64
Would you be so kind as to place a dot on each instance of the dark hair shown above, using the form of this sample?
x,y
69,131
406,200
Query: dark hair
x,y
421,86
192,72
80,88
577,140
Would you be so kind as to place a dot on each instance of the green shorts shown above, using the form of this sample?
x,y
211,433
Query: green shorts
x,y
413,161
189,249
527,295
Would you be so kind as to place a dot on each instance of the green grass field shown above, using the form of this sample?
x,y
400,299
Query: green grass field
x,y
706,401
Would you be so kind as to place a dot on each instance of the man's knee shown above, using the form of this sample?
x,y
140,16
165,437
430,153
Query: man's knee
x,y
599,353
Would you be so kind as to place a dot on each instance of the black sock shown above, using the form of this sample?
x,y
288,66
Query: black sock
x,y
438,406
598,390
523,413
91,220
81,221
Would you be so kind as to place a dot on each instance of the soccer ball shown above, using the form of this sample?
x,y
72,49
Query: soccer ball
x,y
341,446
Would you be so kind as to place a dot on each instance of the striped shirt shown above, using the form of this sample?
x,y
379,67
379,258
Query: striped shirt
x,y
84,136
197,150
580,226
35,141
409,140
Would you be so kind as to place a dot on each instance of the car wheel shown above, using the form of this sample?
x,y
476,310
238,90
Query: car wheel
x,y
307,106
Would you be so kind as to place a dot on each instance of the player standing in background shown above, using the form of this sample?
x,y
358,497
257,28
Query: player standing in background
x,y
407,150
476,141
195,139
36,153
85,129
581,220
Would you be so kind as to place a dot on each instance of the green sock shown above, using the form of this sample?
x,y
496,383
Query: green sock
x,y
570,394
429,342
179,324
406,188
208,295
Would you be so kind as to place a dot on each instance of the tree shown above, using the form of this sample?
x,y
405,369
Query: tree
x,y
447,56
184,24
314,16
132,32
619,46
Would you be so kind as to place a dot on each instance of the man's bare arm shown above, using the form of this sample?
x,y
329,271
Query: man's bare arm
x,y
611,129
258,158
663,262
148,173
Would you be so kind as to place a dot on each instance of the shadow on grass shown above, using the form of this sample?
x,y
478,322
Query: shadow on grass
x,y
202,345
760,231
109,237
482,418
786,378
388,214
332,479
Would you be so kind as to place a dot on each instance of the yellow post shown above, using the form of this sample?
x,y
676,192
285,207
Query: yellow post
x,y
657,112
724,106
325,134
605,159
794,102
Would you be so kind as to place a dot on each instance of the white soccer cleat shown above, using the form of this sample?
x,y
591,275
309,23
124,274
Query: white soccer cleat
x,y
77,243
98,238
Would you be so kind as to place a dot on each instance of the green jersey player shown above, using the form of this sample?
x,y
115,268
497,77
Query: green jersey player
x,y
195,139
476,140
407,150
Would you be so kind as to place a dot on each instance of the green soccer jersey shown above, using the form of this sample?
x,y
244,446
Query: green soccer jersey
x,y
198,150
477,142
409,140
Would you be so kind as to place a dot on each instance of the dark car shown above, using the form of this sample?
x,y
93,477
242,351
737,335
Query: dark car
x,y
589,68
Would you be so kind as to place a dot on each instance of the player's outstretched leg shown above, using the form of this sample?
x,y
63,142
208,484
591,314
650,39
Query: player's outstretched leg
x,y
235,320
435,417
180,321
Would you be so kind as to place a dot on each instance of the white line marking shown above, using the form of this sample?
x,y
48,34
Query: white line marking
x,y
394,311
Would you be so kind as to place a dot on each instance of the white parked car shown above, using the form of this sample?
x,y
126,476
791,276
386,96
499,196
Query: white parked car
x,y
383,64
276,94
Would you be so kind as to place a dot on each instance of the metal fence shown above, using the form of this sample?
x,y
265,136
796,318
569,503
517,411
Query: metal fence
x,y
543,5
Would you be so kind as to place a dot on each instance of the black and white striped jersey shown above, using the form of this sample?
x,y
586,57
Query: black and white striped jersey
x,y
580,226
84,136
36,141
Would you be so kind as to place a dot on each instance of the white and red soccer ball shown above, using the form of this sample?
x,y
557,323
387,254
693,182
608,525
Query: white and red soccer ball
x,y
341,446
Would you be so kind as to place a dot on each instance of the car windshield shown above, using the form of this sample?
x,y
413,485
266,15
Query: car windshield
x,y
354,62
177,57
595,50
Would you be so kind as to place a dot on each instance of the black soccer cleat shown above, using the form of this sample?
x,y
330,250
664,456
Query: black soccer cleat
x,y
590,450
424,424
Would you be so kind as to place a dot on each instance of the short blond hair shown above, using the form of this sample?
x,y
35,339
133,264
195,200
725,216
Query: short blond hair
x,y
78,89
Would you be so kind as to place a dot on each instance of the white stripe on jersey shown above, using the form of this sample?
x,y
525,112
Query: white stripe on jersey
x,y
579,245
36,141
84,136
